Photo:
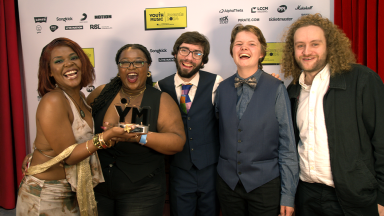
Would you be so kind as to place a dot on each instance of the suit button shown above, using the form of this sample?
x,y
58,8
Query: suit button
x,y
239,162
189,118
238,152
239,141
192,149
190,138
239,130
110,165
190,128
239,173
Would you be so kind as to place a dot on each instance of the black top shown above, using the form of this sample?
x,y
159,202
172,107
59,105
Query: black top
x,y
135,160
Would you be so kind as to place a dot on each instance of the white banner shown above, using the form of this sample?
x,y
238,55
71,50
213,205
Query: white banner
x,y
105,26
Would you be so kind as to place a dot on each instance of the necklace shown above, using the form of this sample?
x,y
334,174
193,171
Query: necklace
x,y
82,114
131,97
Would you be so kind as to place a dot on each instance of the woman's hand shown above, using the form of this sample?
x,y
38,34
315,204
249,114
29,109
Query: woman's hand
x,y
119,134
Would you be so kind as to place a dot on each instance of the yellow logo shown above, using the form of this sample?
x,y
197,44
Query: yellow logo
x,y
165,18
91,55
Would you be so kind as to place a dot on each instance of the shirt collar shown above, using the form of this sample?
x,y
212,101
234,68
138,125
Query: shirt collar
x,y
323,74
194,81
256,75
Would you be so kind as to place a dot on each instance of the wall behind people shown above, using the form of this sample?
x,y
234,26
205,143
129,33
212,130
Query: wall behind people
x,y
104,26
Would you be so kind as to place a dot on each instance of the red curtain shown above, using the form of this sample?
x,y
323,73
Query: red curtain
x,y
363,24
12,133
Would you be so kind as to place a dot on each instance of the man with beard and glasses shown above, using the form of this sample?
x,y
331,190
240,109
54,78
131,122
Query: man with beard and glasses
x,y
193,171
338,118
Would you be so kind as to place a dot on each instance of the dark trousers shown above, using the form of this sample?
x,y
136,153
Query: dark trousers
x,y
193,192
318,199
262,201
119,196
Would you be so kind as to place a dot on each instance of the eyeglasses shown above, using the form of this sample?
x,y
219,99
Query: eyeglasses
x,y
136,64
195,54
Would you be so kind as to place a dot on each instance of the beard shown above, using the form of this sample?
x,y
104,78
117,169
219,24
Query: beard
x,y
316,67
184,73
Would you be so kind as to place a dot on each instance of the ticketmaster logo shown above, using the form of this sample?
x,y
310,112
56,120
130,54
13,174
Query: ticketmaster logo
x,y
280,19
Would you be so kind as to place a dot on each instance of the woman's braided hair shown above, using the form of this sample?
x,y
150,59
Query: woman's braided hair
x,y
113,87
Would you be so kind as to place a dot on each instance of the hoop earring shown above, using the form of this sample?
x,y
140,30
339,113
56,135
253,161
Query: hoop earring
x,y
149,74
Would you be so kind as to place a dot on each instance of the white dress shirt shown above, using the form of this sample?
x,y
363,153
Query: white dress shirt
x,y
195,82
315,166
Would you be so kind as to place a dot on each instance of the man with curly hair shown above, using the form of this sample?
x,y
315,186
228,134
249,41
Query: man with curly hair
x,y
338,116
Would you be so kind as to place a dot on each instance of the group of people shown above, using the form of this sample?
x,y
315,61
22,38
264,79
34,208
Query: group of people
x,y
245,145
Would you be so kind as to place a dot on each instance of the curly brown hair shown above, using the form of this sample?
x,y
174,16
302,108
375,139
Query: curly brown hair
x,y
339,53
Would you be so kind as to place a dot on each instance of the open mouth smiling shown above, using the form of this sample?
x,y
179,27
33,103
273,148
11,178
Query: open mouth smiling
x,y
71,74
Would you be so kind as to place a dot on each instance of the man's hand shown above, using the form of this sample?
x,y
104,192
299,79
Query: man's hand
x,y
381,209
286,211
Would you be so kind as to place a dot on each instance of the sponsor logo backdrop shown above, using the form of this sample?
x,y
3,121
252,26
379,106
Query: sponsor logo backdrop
x,y
105,26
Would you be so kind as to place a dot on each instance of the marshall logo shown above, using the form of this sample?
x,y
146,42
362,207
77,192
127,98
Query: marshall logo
x,y
304,8
224,20
282,8
158,50
84,17
166,59
103,16
53,28
40,19
73,27
65,19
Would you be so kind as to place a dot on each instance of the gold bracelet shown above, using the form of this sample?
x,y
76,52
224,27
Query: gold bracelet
x,y
96,141
101,140
86,146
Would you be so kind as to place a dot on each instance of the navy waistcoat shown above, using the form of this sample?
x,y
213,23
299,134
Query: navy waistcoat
x,y
202,146
248,147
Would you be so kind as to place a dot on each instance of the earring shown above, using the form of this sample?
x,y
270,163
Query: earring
x,y
118,75
56,85
149,74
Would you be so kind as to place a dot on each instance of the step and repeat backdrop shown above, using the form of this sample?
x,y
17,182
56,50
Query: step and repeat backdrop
x,y
102,27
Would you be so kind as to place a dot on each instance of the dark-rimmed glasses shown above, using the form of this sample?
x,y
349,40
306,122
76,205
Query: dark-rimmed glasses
x,y
136,64
195,54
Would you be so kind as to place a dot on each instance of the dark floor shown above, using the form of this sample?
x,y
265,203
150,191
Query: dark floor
x,y
4,212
